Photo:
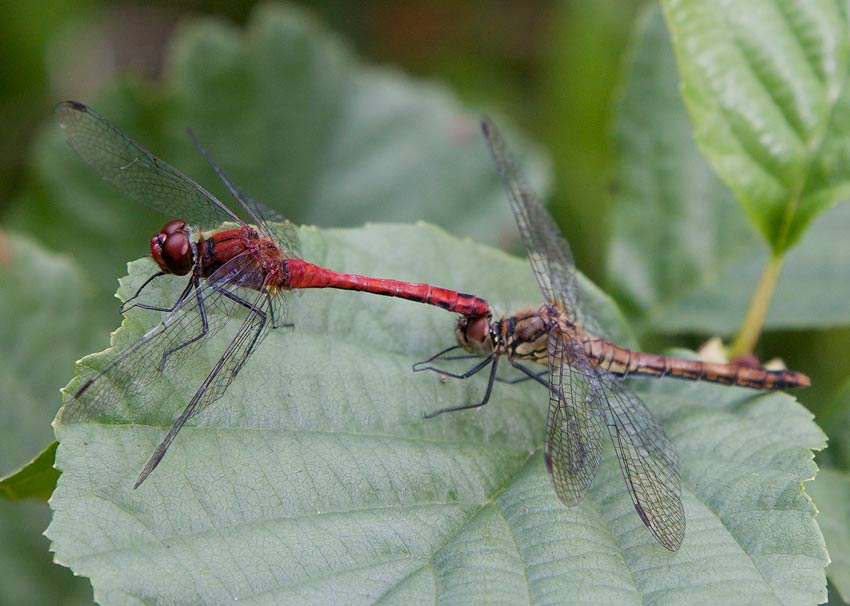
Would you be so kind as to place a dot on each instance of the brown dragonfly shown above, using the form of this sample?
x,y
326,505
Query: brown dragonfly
x,y
584,371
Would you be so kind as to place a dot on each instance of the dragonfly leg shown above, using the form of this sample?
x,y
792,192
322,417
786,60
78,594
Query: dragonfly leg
x,y
272,315
426,364
246,304
124,309
264,317
529,374
204,324
271,308
455,375
492,361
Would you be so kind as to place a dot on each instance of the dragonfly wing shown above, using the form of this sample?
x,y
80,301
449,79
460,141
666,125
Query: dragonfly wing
x,y
284,235
548,251
134,370
250,334
648,461
135,172
575,425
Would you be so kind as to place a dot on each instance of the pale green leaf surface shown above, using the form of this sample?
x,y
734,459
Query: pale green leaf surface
x,y
831,493
316,479
765,84
683,258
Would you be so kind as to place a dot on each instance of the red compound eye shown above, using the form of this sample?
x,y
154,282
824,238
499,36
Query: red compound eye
x,y
171,248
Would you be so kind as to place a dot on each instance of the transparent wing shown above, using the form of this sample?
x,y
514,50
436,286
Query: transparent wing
x,y
250,334
647,459
283,232
284,235
548,251
582,397
582,401
576,423
135,172
138,366
135,369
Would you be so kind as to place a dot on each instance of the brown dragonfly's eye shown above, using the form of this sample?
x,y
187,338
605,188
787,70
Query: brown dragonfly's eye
x,y
171,248
478,329
473,334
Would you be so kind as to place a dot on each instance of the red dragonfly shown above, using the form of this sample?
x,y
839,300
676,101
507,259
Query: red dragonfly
x,y
587,397
245,268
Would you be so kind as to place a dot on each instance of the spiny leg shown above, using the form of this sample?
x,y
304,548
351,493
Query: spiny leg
x,y
272,315
216,382
530,374
420,366
204,323
491,361
189,286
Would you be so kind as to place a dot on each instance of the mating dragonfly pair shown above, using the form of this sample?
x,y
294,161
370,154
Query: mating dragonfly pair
x,y
250,266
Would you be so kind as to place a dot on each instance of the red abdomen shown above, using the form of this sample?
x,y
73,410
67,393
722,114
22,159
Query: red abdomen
x,y
301,274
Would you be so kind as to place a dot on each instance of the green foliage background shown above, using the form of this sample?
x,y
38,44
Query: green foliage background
x,y
332,140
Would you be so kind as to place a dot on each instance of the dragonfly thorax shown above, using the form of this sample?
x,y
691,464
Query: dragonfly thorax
x,y
526,333
172,248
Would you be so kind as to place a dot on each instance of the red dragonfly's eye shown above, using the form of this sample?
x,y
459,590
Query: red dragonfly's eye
x,y
171,250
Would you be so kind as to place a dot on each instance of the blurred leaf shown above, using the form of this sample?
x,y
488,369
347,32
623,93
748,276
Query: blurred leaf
x,y
36,480
813,289
834,598
297,121
675,222
46,328
27,574
765,84
326,140
580,76
831,493
836,422
316,478
681,249
24,31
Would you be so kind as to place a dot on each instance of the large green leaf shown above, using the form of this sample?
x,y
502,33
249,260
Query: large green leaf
x,y
831,493
683,258
317,480
297,122
765,84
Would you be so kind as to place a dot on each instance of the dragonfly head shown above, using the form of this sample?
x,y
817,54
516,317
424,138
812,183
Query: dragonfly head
x,y
171,248
476,334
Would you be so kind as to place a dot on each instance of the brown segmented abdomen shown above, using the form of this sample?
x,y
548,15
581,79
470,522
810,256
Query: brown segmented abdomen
x,y
621,361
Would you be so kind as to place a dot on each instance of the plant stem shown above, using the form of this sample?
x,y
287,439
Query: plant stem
x,y
748,335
